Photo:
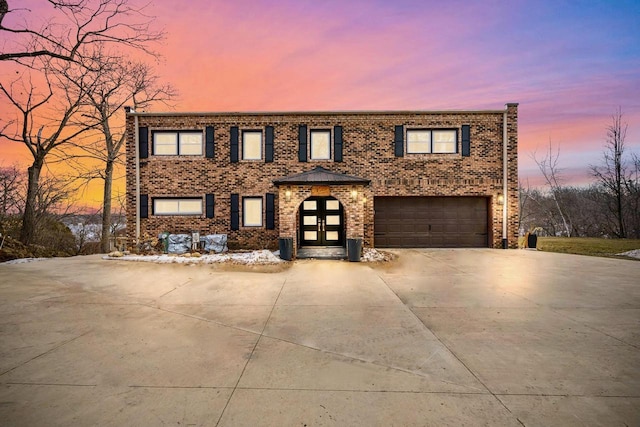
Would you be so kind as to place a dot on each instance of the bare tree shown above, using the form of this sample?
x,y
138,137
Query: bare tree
x,y
119,82
65,48
551,172
41,125
612,174
11,194
75,24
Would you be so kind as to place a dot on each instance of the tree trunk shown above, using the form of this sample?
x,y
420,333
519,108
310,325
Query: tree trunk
x,y
106,207
29,220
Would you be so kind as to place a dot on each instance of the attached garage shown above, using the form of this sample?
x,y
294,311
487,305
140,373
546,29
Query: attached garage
x,y
431,222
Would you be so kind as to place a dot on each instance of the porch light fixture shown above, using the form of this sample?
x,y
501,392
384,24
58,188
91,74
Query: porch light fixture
x,y
354,194
500,199
287,195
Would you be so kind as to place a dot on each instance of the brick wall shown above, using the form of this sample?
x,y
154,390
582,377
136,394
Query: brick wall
x,y
368,153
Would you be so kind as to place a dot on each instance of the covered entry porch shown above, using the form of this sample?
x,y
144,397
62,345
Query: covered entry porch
x,y
320,209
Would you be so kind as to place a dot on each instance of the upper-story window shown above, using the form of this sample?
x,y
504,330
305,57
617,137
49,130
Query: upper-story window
x,y
251,145
177,143
420,141
320,144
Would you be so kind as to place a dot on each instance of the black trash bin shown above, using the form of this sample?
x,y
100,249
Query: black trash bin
x,y
285,244
354,249
532,241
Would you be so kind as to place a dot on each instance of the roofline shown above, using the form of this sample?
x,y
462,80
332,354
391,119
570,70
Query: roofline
x,y
313,113
280,182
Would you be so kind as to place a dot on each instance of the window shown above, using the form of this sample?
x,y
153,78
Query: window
x,y
444,141
177,206
320,145
252,211
420,141
251,145
177,143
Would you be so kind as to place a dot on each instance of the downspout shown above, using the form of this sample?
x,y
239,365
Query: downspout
x,y
505,241
137,144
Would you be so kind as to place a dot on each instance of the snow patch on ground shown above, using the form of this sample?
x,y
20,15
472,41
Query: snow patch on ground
x,y
633,254
23,260
372,255
248,258
263,257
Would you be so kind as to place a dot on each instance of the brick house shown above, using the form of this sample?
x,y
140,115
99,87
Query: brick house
x,y
391,178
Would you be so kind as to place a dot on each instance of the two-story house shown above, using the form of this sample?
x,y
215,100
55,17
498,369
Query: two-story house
x,y
390,178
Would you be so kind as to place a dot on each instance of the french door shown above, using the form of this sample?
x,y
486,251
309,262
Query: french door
x,y
321,222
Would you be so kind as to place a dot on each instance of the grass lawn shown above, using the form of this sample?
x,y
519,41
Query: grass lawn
x,y
587,245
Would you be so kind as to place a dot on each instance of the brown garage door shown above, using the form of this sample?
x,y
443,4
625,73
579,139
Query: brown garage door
x,y
430,222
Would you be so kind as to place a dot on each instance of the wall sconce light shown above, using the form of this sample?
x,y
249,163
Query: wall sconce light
x,y
287,195
354,194
500,199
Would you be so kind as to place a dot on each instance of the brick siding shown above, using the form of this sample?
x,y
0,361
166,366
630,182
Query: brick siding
x,y
368,140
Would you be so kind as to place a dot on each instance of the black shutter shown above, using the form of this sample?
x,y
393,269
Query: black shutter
x,y
302,143
210,205
398,141
271,208
337,143
143,138
466,140
268,144
209,142
234,144
144,206
235,212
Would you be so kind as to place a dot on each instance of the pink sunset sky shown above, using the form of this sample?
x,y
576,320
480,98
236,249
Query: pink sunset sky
x,y
569,64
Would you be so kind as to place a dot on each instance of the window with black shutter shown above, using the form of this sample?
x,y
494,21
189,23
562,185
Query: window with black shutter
x,y
235,212
209,137
337,143
210,199
234,136
302,143
270,211
143,139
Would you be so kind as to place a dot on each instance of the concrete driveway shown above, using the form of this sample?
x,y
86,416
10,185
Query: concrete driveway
x,y
438,337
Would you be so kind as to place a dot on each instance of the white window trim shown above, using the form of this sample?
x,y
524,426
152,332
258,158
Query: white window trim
x,y
330,143
245,211
252,131
431,141
177,134
178,211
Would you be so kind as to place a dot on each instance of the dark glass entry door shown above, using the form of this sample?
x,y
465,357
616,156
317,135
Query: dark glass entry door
x,y
321,222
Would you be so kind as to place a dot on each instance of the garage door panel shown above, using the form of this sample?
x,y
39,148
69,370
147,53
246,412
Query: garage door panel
x,y
431,221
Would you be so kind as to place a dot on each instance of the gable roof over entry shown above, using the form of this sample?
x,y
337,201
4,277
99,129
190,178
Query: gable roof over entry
x,y
320,176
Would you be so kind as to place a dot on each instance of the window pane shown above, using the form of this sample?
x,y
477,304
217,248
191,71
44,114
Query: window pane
x,y
252,212
252,145
164,207
165,143
191,144
418,141
190,207
333,219
332,235
310,220
309,205
332,205
320,145
310,235
177,206
444,141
